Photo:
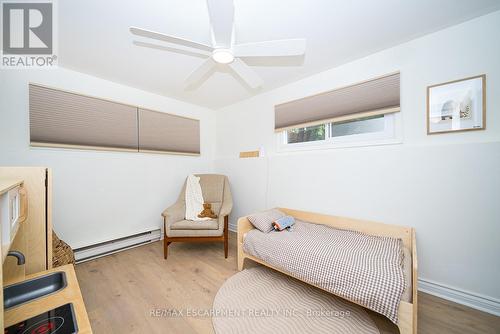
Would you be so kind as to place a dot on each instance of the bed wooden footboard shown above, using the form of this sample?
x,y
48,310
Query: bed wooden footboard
x,y
407,313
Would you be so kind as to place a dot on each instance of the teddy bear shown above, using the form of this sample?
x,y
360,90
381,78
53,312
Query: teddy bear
x,y
207,211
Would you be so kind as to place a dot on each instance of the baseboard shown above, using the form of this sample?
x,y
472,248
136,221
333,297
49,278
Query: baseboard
x,y
478,302
113,246
233,228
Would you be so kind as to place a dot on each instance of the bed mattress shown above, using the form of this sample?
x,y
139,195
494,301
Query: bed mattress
x,y
372,271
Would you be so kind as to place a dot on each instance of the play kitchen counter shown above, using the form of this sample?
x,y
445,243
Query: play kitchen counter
x,y
68,294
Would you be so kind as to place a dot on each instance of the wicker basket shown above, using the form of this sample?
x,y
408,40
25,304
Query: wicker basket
x,y
61,252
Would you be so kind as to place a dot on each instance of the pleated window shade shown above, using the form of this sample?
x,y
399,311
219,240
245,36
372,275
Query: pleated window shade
x,y
64,119
61,119
161,132
373,97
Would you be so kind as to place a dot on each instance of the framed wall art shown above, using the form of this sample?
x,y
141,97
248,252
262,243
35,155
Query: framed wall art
x,y
458,105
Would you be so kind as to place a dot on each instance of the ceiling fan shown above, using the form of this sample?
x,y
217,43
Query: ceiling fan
x,y
223,49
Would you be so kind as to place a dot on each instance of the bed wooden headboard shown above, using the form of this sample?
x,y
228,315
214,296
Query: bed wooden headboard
x,y
365,226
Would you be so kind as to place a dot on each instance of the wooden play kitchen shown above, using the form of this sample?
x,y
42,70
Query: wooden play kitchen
x,y
36,297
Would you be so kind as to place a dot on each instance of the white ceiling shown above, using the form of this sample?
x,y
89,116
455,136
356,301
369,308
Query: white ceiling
x,y
94,38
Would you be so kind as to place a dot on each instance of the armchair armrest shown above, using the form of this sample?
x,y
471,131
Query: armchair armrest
x,y
224,212
226,208
174,213
227,201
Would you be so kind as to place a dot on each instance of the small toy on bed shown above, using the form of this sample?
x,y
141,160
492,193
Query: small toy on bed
x,y
283,223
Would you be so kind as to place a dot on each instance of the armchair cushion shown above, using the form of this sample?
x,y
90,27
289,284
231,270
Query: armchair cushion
x,y
194,233
195,225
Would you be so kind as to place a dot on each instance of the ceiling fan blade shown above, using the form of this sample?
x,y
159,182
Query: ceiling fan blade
x,y
199,54
200,72
246,73
275,48
221,20
169,39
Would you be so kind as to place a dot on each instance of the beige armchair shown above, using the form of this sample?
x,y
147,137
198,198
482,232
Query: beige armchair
x,y
215,189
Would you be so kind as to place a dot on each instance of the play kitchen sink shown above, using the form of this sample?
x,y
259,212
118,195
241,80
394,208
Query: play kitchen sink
x,y
47,302
26,291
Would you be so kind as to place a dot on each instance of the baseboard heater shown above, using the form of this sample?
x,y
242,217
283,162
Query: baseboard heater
x,y
113,246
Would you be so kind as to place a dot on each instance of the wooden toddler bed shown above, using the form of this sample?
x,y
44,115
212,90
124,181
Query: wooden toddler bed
x,y
407,312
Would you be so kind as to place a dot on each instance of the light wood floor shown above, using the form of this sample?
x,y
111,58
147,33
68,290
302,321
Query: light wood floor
x,y
121,292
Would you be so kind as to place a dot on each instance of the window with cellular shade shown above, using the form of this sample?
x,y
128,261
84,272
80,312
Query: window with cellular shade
x,y
369,98
63,119
161,132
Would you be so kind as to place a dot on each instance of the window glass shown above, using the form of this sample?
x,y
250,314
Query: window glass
x,y
307,134
358,126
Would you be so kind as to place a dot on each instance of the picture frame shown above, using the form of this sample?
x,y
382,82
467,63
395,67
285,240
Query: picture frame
x,y
457,106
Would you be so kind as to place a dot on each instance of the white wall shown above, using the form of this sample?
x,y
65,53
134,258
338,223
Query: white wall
x,y
100,196
446,186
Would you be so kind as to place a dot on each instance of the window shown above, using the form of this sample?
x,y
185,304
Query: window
x,y
63,119
355,132
365,113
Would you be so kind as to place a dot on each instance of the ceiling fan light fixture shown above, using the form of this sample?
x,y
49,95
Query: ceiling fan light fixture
x,y
223,50
223,56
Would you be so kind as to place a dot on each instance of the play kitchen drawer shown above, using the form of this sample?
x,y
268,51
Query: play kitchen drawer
x,y
50,299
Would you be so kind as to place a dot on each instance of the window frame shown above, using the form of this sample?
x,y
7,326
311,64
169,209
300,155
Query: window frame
x,y
391,134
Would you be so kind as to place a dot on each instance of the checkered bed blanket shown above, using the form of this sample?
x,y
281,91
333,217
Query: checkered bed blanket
x,y
359,267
